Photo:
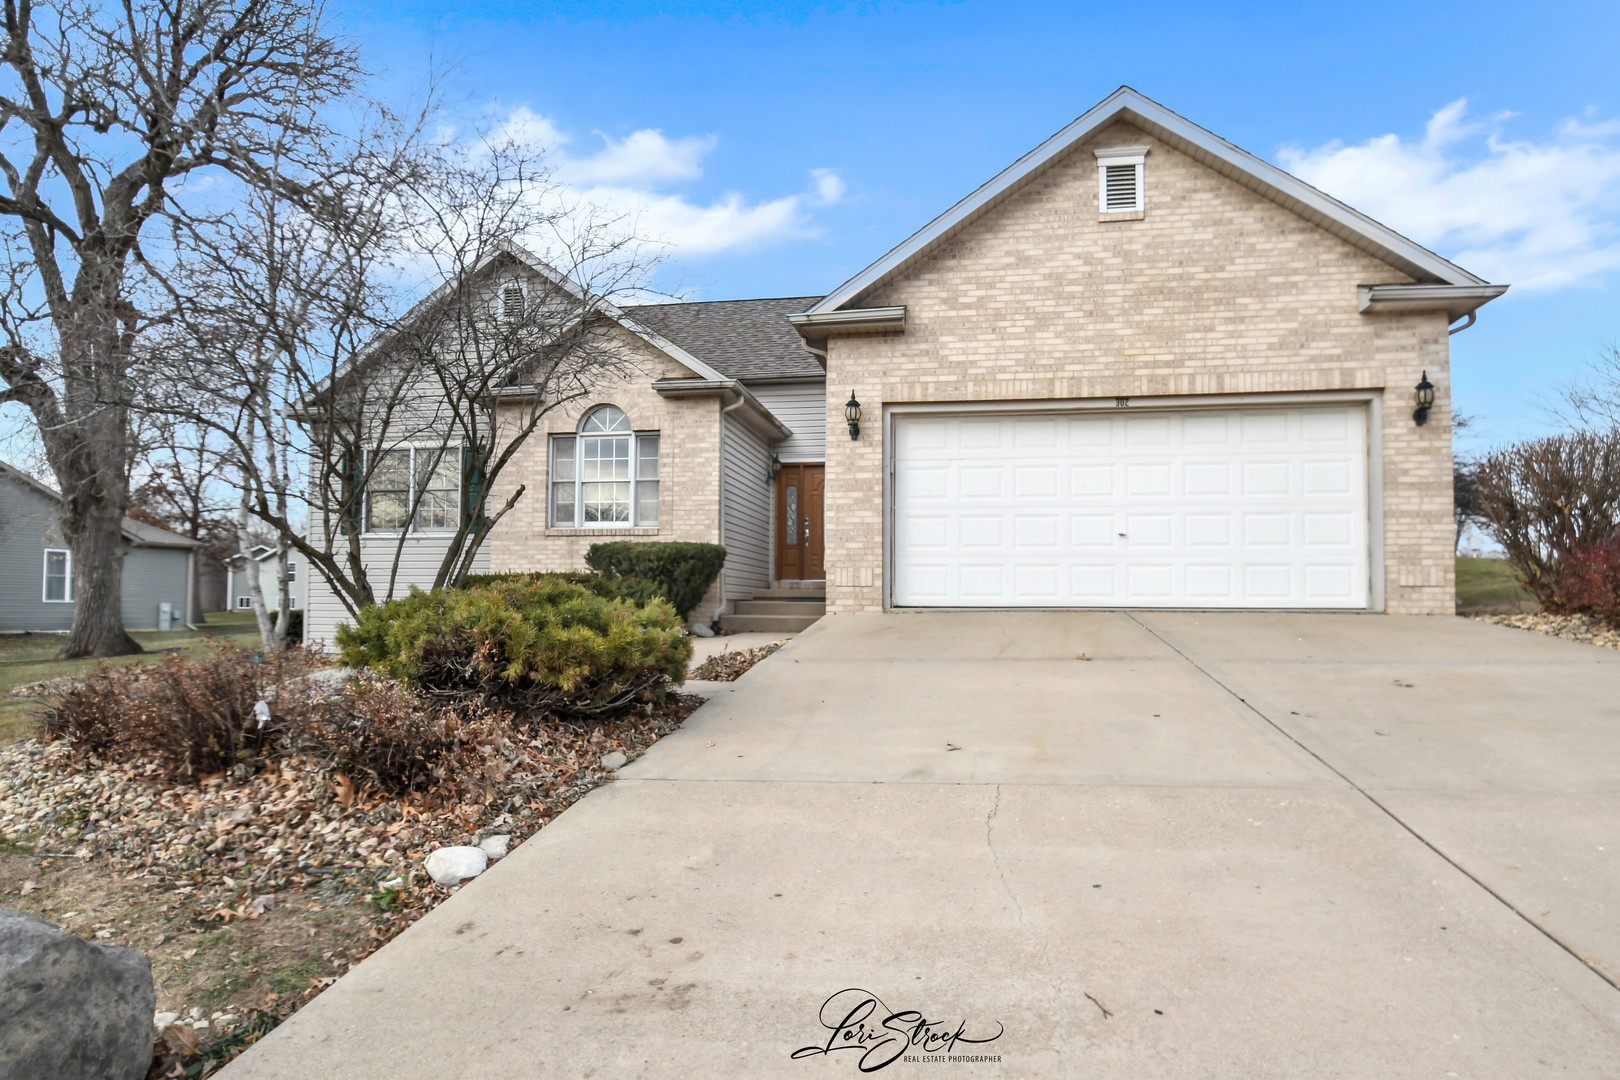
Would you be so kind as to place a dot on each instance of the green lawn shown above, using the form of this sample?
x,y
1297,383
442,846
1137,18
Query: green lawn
x,y
27,658
1491,587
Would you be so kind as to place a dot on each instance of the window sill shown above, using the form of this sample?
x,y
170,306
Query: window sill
x,y
597,530
1123,215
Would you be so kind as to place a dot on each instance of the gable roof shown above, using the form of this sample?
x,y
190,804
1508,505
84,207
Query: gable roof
x,y
138,533
499,252
748,340
1203,146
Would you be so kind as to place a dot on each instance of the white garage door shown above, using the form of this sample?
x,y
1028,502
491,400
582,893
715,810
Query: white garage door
x,y
1262,508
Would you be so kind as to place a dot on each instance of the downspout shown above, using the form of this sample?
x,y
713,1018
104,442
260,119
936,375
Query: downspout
x,y
1471,318
724,412
191,586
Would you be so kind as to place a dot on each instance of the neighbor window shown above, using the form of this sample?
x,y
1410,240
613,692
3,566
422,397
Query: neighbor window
x,y
58,576
292,572
1119,179
244,601
606,475
431,475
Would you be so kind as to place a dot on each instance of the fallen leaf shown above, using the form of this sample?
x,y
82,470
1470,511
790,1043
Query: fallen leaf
x,y
343,788
180,1038
188,954
29,886
259,905
322,984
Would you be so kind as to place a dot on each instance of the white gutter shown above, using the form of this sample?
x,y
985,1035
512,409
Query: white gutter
x,y
1456,301
819,325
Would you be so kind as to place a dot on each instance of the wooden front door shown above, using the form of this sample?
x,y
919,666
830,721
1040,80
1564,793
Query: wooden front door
x,y
800,549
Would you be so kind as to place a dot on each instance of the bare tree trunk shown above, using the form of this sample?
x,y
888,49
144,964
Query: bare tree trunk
x,y
95,531
91,460
283,596
250,571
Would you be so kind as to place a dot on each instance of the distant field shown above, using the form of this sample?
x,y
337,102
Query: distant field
x,y
1491,587
27,658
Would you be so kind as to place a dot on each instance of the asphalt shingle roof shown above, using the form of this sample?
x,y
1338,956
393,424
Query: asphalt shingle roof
x,y
742,339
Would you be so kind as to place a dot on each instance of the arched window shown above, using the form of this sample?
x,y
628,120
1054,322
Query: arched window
x,y
606,475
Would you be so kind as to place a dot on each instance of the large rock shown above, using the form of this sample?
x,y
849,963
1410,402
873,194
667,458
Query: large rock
x,y
70,1009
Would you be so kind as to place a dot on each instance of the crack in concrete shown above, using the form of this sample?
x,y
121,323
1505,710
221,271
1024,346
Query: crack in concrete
x,y
1053,990
1392,815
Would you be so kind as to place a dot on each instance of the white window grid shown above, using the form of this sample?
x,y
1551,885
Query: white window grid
x,y
437,493
58,567
605,475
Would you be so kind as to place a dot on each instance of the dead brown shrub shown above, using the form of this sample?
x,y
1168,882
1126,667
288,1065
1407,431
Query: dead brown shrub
x,y
193,716
387,736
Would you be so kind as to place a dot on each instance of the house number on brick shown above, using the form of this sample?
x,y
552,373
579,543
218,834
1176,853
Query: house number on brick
x,y
1122,402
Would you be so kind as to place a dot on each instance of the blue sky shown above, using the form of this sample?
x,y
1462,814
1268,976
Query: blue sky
x,y
780,148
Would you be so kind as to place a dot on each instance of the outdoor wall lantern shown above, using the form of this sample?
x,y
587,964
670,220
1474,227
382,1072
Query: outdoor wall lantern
x,y
1425,400
773,470
852,413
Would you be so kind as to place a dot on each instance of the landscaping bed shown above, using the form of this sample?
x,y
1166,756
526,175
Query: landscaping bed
x,y
1582,628
731,666
254,891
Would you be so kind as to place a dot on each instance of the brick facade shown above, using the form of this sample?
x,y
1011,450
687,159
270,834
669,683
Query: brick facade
x,y
688,465
1212,290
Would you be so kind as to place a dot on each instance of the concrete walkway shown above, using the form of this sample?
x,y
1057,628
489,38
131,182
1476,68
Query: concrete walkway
x,y
1171,845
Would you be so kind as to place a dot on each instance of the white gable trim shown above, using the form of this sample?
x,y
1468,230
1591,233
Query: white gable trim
x,y
1203,146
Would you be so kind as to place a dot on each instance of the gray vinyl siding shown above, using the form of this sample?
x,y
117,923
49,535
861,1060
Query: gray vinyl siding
x,y
746,495
29,524
803,408
418,564
151,577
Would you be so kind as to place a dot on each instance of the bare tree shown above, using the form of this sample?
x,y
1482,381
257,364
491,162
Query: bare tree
x,y
1594,401
104,110
356,421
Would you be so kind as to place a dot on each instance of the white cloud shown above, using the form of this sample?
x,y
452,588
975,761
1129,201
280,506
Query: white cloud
x,y
646,158
639,177
1538,215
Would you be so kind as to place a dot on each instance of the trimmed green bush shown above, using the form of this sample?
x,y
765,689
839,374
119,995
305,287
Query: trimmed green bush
x,y
543,643
640,593
683,572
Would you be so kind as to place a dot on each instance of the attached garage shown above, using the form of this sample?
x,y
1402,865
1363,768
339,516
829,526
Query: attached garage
x,y
1194,507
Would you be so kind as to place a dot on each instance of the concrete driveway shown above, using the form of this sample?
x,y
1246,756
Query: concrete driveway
x,y
1138,845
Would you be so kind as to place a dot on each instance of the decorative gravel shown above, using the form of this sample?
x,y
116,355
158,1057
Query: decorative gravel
x,y
1569,627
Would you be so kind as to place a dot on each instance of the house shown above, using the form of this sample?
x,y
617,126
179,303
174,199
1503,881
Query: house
x,y
36,567
264,565
1139,367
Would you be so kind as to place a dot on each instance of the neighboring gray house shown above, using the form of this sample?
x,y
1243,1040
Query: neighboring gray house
x,y
36,567
264,559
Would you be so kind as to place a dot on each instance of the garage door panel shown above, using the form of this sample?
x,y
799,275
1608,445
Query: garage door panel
x,y
1229,508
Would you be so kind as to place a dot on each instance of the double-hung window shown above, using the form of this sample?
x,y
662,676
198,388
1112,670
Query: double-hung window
x,y
58,576
429,477
606,475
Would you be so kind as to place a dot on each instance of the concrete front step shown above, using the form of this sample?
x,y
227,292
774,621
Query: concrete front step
x,y
757,606
769,624
794,590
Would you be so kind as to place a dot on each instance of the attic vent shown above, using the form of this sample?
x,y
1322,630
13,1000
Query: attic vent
x,y
512,302
1119,187
1119,179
